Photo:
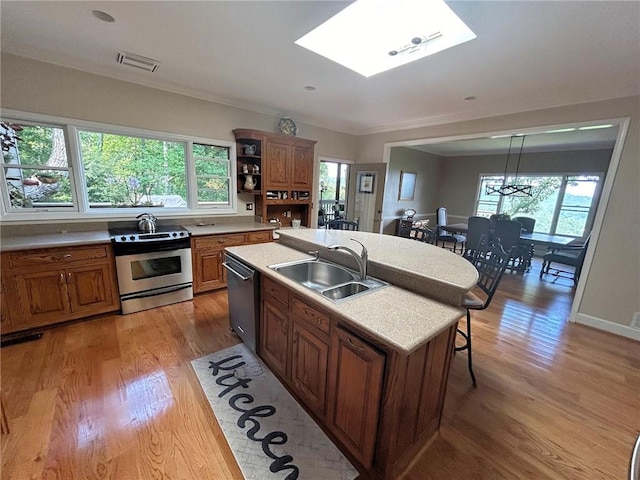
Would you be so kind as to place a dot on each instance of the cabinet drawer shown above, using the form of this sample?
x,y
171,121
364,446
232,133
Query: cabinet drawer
x,y
56,257
257,237
311,316
273,291
218,241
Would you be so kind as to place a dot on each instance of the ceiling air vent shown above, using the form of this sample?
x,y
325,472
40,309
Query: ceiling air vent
x,y
138,61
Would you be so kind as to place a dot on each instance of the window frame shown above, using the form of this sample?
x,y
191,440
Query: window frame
x,y
81,210
564,176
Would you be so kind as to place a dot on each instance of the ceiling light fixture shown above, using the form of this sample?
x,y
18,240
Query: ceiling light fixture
x,y
364,37
416,43
560,130
595,127
513,189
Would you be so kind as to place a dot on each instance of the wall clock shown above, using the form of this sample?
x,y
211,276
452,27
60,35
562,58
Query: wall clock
x,y
288,126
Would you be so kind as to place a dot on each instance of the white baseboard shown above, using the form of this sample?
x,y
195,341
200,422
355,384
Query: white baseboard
x,y
607,326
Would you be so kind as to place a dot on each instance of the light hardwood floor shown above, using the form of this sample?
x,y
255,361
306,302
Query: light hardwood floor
x,y
116,397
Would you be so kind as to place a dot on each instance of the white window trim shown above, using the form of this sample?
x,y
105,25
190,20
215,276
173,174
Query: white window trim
x,y
82,212
556,211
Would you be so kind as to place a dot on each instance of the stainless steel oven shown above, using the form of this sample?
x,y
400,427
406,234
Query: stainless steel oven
x,y
153,269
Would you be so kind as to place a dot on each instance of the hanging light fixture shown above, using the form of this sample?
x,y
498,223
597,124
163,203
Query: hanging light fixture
x,y
513,189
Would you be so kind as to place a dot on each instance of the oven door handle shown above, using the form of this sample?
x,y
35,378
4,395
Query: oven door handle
x,y
238,274
155,292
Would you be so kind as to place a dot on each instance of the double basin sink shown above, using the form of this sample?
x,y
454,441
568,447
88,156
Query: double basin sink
x,y
330,280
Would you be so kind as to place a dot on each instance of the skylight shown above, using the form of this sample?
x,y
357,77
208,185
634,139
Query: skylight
x,y
372,36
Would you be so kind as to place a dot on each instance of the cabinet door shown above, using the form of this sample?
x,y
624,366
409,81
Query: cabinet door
x,y
90,289
274,337
302,167
355,385
309,357
208,271
43,297
276,168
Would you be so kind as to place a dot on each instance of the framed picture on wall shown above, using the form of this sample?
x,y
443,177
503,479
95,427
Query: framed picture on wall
x,y
407,185
366,182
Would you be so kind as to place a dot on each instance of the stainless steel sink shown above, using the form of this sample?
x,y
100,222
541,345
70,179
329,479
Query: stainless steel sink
x,y
315,274
344,291
332,281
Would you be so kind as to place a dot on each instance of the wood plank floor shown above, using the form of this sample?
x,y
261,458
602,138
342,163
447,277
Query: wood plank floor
x,y
116,397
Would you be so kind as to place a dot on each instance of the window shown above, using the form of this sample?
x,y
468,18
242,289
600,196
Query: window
x,y
125,171
35,167
87,169
561,204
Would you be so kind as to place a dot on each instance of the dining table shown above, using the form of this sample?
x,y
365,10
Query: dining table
x,y
529,239
533,237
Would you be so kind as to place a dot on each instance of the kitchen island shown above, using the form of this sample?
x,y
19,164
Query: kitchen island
x,y
372,369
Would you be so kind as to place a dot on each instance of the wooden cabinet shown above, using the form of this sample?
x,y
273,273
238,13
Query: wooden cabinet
x,y
286,180
278,165
380,406
309,354
48,286
302,167
355,372
333,372
208,255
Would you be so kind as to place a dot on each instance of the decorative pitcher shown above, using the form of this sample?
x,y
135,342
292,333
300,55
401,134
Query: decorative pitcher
x,y
249,182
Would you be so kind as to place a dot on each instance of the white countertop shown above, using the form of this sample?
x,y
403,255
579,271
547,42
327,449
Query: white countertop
x,y
216,229
70,239
399,318
52,240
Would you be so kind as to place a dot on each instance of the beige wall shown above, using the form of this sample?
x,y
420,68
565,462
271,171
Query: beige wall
x,y
612,287
37,87
428,167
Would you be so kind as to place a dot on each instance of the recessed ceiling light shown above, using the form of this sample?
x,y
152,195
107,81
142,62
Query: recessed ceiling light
x,y
311,88
560,130
104,16
595,127
372,36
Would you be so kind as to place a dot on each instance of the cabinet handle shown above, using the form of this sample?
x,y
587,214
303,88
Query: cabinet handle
x,y
62,279
220,241
360,348
66,255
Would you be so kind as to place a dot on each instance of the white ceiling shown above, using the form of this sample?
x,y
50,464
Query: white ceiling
x,y
528,55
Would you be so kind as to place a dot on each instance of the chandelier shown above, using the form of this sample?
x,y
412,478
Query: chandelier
x,y
512,189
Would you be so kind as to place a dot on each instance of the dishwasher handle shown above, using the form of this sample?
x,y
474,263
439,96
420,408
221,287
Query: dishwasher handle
x,y
244,278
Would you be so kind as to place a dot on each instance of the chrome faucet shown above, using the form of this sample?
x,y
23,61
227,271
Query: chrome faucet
x,y
361,258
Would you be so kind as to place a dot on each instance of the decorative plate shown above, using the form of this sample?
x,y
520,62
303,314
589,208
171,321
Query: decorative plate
x,y
288,126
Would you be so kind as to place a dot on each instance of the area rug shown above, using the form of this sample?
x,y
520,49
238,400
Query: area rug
x,y
270,435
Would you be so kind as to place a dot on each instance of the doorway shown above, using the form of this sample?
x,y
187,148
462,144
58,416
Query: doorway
x,y
334,177
464,208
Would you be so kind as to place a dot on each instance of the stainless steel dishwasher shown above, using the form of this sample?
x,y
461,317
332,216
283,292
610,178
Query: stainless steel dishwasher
x,y
242,291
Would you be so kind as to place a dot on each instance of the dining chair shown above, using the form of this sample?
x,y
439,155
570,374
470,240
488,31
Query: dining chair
x,y
444,236
342,224
477,228
508,231
570,255
490,260
422,234
528,223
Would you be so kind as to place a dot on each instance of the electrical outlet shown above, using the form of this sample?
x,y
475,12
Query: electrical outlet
x,y
635,321
249,206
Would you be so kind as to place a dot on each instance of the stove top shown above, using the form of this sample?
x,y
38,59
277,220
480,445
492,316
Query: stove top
x,y
162,233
